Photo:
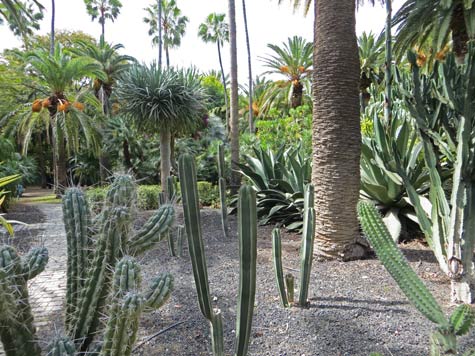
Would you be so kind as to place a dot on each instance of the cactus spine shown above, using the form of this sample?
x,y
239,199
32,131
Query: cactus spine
x,y
222,190
443,340
247,231
306,249
17,331
191,211
279,274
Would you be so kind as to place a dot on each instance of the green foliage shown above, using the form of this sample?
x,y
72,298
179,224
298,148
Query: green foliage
x,y
147,197
279,179
23,17
209,194
103,9
215,29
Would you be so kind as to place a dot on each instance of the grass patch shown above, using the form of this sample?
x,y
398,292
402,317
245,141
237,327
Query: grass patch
x,y
45,199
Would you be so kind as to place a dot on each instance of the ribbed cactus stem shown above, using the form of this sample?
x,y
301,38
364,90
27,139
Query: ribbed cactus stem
x,y
397,265
34,262
61,346
247,233
290,286
222,191
306,249
279,274
191,212
159,291
180,236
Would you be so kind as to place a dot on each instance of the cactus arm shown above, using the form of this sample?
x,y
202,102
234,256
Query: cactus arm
x,y
180,232
247,231
34,262
462,319
159,292
279,274
153,231
61,346
396,264
223,206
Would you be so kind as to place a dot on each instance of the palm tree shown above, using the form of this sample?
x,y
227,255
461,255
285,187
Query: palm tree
x,y
103,10
249,67
371,53
166,100
216,30
294,61
173,25
419,21
61,110
22,16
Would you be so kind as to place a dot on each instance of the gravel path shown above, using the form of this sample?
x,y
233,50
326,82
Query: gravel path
x,y
355,309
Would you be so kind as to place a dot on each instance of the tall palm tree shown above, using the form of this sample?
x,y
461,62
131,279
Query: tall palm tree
x,y
173,25
216,30
419,21
166,100
61,110
103,10
249,68
293,61
234,96
22,16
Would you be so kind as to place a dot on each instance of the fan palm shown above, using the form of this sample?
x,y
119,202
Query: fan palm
x,y
61,110
173,25
21,16
293,61
419,21
103,10
216,30
167,100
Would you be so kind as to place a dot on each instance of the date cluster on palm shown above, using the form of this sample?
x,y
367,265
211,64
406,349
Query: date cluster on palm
x,y
61,105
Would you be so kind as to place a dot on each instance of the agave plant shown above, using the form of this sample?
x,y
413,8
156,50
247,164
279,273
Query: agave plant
x,y
279,179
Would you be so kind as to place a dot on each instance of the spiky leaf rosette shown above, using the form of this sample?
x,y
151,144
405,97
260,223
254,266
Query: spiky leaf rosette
x,y
397,265
462,319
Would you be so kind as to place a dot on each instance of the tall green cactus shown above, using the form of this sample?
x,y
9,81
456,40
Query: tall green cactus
x,y
17,332
61,346
279,274
443,340
191,211
306,249
247,233
222,191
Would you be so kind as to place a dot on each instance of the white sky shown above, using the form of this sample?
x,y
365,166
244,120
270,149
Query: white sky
x,y
268,23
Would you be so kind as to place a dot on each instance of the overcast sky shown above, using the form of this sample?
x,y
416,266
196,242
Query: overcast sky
x,y
268,23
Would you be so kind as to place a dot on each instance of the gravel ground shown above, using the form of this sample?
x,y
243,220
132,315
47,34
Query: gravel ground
x,y
356,308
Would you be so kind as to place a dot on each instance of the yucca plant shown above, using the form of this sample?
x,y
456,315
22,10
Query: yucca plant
x,y
279,179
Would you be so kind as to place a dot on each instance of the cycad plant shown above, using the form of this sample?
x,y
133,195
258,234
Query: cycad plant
x,y
171,101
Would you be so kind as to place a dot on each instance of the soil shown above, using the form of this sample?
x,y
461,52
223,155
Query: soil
x,y
355,307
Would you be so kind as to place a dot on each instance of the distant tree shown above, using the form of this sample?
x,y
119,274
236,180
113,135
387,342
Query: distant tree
x,y
173,25
103,10
249,67
22,16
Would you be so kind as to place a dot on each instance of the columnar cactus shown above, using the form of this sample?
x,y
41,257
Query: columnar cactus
x,y
247,225
306,249
279,274
222,191
114,239
17,331
61,346
443,340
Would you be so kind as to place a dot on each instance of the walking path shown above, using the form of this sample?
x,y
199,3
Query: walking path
x,y
47,290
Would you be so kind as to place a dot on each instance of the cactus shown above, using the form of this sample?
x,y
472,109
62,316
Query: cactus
x,y
443,340
279,274
114,239
289,285
61,346
18,334
180,235
306,249
190,200
247,232
159,291
222,191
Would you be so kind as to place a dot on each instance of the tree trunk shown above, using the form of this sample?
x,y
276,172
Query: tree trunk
x,y
336,131
40,154
388,69
53,15
165,165
234,119
459,33
167,56
249,66
159,27
223,78
297,93
62,166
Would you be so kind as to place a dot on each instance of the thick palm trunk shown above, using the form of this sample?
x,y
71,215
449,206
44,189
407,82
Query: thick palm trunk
x,y
234,119
165,137
336,130
223,78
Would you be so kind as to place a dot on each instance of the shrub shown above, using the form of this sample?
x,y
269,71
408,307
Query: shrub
x,y
147,197
208,193
95,197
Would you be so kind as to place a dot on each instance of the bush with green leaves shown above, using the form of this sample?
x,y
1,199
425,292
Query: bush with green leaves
x,y
279,179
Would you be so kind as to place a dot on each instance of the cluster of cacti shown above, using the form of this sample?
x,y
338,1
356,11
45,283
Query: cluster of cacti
x,y
247,226
222,191
17,331
443,340
286,286
444,111
114,239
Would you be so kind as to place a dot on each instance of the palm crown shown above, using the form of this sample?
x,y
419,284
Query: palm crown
x,y
214,29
